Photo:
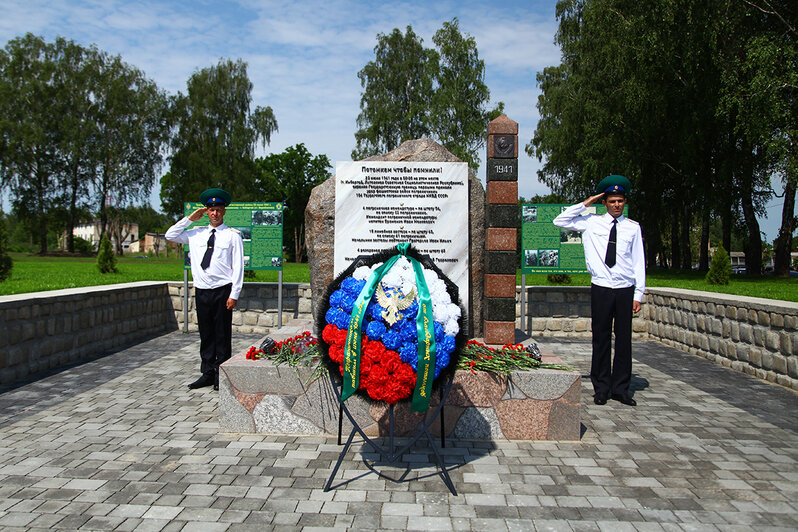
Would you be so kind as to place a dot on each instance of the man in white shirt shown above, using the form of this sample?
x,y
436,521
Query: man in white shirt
x,y
616,262
217,267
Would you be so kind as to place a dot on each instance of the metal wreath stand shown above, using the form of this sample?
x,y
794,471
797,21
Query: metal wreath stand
x,y
389,455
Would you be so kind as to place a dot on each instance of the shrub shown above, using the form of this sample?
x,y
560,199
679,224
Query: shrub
x,y
6,264
106,260
720,271
249,274
83,246
559,278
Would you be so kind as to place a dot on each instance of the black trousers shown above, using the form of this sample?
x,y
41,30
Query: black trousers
x,y
215,327
608,306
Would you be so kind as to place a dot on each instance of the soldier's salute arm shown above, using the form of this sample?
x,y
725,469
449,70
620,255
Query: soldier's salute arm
x,y
592,199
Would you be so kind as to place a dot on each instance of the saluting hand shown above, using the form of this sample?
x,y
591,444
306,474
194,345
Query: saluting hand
x,y
199,213
592,199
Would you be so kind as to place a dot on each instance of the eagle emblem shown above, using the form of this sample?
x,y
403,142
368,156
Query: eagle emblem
x,y
393,301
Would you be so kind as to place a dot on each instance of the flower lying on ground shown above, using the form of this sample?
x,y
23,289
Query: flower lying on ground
x,y
477,356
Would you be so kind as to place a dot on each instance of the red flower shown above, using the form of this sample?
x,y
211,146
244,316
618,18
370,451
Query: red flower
x,y
336,354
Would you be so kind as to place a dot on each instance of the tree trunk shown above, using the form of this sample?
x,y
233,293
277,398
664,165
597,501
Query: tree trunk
x,y
676,255
652,244
686,224
783,244
42,217
73,201
703,254
753,247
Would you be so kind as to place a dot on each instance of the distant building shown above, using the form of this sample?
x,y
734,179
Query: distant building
x,y
91,233
150,241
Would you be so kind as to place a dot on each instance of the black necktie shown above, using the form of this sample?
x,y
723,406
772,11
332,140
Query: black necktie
x,y
609,259
206,260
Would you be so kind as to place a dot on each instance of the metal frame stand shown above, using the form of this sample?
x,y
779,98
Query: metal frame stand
x,y
390,455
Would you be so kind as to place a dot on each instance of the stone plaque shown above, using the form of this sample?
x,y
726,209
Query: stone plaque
x,y
504,146
503,169
381,204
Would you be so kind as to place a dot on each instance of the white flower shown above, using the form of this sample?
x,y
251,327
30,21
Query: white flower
x,y
452,327
402,275
362,273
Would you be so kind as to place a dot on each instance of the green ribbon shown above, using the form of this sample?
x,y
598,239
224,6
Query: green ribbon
x,y
425,330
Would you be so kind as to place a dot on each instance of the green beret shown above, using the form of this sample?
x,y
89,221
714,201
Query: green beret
x,y
215,196
614,184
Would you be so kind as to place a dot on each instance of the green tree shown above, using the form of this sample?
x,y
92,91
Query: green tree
x,y
28,128
397,91
459,114
289,177
77,126
76,88
106,260
410,92
217,133
720,271
132,118
690,100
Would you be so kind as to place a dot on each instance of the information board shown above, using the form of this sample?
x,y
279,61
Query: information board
x,y
381,204
261,227
546,248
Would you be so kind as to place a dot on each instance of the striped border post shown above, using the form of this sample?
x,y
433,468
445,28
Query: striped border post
x,y
501,231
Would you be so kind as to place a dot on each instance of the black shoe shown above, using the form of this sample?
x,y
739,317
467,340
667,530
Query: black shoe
x,y
600,399
201,382
625,399
216,387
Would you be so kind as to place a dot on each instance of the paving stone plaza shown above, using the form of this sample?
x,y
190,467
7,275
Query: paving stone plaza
x,y
119,443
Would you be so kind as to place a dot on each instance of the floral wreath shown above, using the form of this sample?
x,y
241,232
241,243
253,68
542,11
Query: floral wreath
x,y
388,291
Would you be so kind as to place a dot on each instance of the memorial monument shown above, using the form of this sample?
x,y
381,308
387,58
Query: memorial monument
x,y
320,221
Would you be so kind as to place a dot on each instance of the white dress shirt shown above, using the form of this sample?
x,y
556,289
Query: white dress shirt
x,y
630,266
227,261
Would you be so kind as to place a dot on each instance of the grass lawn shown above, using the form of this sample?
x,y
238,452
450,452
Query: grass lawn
x,y
33,274
741,285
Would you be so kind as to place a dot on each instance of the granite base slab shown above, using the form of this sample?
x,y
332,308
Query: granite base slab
x,y
255,396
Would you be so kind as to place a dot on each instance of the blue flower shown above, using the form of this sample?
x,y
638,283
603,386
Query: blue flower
x,y
409,353
341,319
375,330
439,332
441,361
411,311
335,299
408,331
348,302
352,286
446,346
375,310
392,339
330,315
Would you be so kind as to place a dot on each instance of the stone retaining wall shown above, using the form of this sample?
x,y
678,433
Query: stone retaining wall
x,y
46,330
42,331
256,311
754,335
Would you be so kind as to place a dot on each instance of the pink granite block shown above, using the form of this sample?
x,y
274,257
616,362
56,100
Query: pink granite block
x,y
502,125
525,419
476,389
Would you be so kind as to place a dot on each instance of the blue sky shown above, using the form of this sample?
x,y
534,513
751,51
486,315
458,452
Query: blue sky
x,y
304,56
